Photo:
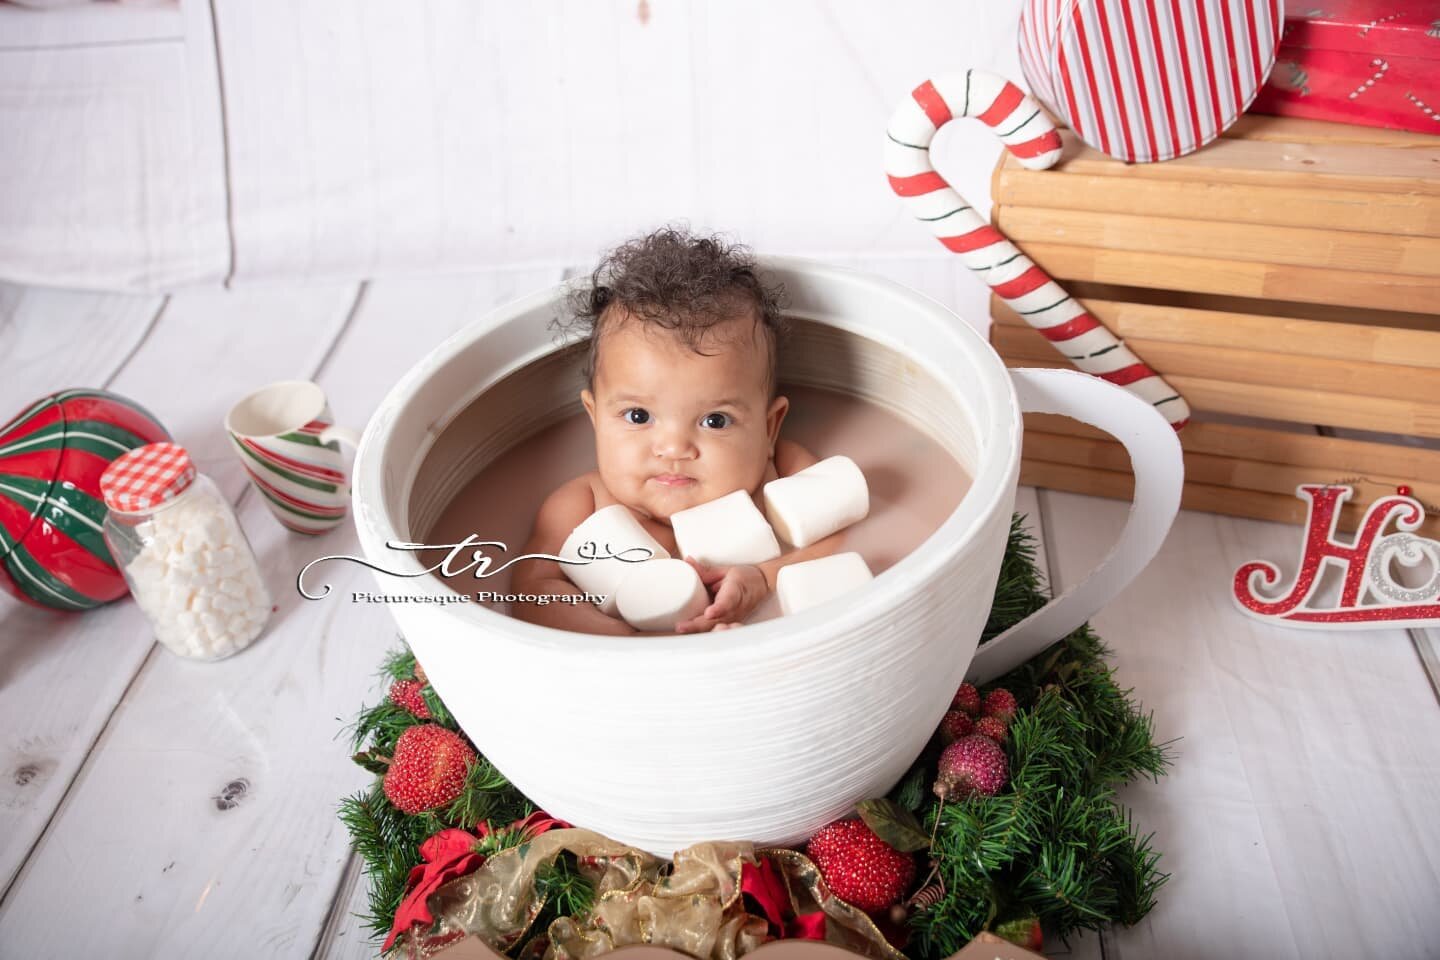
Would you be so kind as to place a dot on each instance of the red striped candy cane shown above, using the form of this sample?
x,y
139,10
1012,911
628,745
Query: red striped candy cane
x,y
1028,290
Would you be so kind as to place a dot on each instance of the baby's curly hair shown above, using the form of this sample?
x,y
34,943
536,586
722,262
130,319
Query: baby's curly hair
x,y
682,283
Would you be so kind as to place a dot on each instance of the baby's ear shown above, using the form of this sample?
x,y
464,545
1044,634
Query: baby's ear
x,y
776,416
588,399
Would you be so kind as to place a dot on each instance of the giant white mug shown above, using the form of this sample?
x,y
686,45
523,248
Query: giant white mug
x,y
769,731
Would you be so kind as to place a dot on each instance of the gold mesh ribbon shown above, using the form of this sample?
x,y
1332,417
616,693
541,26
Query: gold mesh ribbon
x,y
693,905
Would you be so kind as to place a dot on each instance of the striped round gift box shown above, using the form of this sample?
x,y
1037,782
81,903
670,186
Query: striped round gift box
x,y
52,551
1145,80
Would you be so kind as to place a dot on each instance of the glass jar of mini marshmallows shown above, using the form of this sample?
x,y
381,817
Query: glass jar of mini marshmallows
x,y
182,552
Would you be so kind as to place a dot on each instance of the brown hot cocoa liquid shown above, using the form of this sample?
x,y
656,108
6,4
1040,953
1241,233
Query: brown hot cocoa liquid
x,y
914,484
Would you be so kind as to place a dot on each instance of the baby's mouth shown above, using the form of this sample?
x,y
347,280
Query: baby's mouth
x,y
673,480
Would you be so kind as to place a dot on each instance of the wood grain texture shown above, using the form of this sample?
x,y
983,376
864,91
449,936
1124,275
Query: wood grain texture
x,y
369,140
1410,167
113,172
67,676
1258,126
1296,404
1203,497
1326,458
90,24
1355,341
1263,365
1271,281
1285,814
1204,235
1315,207
51,340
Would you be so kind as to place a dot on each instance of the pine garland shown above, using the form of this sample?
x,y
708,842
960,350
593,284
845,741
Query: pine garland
x,y
1054,844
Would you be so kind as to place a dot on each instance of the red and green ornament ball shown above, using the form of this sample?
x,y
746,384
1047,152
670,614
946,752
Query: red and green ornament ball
x,y
52,553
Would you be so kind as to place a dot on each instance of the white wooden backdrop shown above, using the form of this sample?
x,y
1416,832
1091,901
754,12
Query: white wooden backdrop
x,y
322,188
347,139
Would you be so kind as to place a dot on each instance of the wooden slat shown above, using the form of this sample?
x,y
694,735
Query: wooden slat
x,y
1215,238
1241,476
1327,458
1360,167
55,692
1235,203
1259,307
67,674
1255,504
1381,414
1258,126
1295,338
1271,281
1248,366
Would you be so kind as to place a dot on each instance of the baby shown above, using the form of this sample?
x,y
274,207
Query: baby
x,y
681,390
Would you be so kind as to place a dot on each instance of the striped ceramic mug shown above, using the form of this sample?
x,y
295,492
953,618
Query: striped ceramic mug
x,y
289,444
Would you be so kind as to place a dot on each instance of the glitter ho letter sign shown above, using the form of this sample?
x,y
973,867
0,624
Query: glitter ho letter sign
x,y
1370,596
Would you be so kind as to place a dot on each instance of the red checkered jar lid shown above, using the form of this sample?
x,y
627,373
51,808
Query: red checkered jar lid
x,y
147,477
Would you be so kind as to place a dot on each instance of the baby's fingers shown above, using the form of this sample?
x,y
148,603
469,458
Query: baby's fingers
x,y
708,575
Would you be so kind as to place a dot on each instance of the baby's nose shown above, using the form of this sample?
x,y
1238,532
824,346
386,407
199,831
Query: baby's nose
x,y
674,443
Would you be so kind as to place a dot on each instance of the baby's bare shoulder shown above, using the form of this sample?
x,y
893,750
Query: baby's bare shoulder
x,y
792,457
564,509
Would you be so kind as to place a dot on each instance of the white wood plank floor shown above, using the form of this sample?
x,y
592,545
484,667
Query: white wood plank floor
x,y
189,809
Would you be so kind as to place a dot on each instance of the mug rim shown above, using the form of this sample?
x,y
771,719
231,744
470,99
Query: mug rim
x,y
993,479
317,395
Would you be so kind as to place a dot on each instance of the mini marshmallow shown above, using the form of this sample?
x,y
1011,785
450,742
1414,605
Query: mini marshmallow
x,y
724,532
607,532
810,583
661,593
815,502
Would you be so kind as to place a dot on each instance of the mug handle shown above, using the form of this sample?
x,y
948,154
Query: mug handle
x,y
348,437
1159,477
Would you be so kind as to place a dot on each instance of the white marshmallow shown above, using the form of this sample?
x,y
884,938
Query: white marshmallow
x,y
607,532
815,502
724,532
177,580
810,583
661,593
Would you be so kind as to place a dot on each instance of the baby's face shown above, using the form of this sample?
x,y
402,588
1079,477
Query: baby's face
x,y
674,428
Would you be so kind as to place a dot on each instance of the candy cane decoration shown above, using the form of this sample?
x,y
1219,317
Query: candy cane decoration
x,y
1028,290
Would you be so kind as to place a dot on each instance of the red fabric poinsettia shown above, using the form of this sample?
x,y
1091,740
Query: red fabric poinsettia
x,y
446,856
763,883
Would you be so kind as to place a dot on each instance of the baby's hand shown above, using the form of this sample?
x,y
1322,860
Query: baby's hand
x,y
735,591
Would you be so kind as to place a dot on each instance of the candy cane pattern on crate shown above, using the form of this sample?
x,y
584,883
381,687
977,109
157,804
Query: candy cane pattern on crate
x,y
1030,135
1148,80
299,477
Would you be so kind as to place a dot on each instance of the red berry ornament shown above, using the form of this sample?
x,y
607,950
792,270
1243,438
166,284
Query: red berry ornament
x,y
405,694
954,725
971,765
967,698
428,769
1000,703
992,727
859,867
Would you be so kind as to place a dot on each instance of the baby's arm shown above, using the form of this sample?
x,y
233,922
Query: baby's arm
x,y
561,513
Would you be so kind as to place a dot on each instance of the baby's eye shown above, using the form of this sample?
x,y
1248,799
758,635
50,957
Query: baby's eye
x,y
716,421
636,415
